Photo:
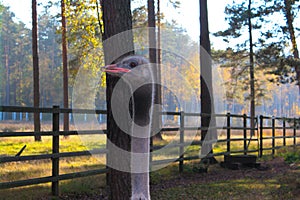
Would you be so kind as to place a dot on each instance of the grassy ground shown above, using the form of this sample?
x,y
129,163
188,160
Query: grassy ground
x,y
280,181
76,187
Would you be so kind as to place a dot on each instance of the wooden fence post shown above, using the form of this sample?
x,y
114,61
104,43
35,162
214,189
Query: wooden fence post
x,y
284,132
261,118
245,134
228,133
181,148
273,136
55,150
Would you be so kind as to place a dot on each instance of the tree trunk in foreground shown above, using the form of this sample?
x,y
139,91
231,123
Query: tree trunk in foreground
x,y
116,19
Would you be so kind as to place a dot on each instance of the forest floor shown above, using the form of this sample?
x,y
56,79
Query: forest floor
x,y
275,179
278,178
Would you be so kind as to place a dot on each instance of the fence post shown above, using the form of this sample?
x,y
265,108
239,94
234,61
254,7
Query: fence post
x,y
245,134
284,132
228,133
181,148
261,118
273,136
55,150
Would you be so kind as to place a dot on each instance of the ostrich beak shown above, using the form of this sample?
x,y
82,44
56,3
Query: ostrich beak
x,y
114,69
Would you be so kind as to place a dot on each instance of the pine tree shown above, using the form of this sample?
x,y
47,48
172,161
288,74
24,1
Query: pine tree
x,y
36,78
120,22
274,43
244,18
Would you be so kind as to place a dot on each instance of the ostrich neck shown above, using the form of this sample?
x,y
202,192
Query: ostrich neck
x,y
142,102
140,145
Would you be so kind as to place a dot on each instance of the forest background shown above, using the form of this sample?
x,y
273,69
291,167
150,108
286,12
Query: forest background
x,y
276,91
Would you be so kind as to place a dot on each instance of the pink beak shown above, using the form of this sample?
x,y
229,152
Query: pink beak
x,y
115,69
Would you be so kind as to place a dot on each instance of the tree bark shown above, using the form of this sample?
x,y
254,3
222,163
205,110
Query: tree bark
x,y
65,64
35,59
252,80
158,33
290,20
208,121
116,19
7,87
153,54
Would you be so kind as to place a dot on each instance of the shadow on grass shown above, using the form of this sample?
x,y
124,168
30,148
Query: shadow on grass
x,y
283,187
69,189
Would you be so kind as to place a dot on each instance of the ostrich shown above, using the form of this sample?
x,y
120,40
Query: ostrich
x,y
139,77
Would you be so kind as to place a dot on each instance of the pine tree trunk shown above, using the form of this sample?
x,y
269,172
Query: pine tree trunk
x,y
290,20
207,106
36,85
7,87
65,65
251,59
116,19
153,53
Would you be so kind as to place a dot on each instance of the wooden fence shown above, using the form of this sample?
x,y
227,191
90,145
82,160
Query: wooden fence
x,y
234,133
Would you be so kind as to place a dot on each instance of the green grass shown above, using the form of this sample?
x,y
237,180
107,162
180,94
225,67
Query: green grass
x,y
230,189
74,187
11,146
290,155
191,186
234,189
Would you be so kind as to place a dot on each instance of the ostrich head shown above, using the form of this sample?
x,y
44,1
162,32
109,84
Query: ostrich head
x,y
136,67
137,73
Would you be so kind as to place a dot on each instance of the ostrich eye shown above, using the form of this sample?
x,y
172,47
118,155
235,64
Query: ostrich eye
x,y
133,64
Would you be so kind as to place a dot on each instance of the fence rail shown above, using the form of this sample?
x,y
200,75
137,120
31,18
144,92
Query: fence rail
x,y
266,131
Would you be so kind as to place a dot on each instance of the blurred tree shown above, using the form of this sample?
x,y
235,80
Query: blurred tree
x,y
65,63
21,66
83,36
2,71
85,49
7,44
16,62
240,18
177,50
273,54
235,72
50,59
36,78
